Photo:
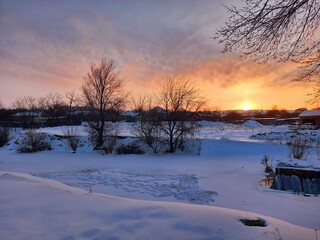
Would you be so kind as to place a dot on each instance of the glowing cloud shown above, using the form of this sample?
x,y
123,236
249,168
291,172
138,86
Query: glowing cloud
x,y
48,47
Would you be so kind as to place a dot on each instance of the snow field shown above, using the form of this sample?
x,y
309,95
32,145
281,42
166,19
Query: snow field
x,y
158,197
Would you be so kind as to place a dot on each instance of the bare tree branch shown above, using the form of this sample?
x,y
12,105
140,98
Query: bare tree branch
x,y
276,29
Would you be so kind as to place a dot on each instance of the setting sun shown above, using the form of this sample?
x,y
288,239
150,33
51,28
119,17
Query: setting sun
x,y
246,106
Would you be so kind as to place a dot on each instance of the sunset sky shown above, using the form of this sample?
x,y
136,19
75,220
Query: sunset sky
x,y
47,46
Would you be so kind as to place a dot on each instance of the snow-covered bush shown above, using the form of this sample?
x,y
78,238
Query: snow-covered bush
x,y
33,141
72,137
4,136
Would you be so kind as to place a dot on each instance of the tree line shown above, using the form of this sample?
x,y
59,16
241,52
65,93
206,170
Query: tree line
x,y
27,110
166,118
265,30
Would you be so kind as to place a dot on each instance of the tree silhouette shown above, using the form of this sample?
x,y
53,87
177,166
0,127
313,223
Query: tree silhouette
x,y
180,100
276,29
103,92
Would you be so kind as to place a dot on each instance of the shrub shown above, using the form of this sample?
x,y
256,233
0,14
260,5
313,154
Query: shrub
x,y
72,137
34,141
299,148
149,132
268,167
109,138
108,144
4,136
129,149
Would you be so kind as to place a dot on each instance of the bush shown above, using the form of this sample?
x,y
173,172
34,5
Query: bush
x,y
108,144
149,131
34,142
129,149
4,136
299,148
109,138
267,165
72,137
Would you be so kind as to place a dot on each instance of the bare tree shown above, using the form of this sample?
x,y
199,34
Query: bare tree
x,y
28,106
25,103
299,148
273,112
72,138
315,95
179,101
73,101
54,107
103,92
148,127
41,103
273,29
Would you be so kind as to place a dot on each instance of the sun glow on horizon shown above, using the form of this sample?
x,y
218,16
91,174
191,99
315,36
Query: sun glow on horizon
x,y
246,106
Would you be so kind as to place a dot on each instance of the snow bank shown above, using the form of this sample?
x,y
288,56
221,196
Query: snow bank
x,y
33,208
252,124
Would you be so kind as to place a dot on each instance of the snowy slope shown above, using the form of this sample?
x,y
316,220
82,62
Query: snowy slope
x,y
34,208
226,174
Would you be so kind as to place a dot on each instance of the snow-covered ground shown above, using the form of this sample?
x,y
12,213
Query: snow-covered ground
x,y
153,197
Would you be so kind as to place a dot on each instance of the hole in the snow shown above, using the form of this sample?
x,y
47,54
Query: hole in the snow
x,y
254,222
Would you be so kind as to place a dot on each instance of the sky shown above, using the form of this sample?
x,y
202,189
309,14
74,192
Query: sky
x,y
48,46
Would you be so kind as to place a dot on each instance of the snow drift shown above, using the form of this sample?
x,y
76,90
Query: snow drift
x,y
34,208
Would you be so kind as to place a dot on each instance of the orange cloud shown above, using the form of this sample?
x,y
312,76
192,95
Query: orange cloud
x,y
227,81
50,51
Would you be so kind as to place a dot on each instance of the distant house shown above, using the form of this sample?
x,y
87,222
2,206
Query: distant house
x,y
312,116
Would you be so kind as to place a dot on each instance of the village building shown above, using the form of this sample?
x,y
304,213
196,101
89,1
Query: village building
x,y
310,117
